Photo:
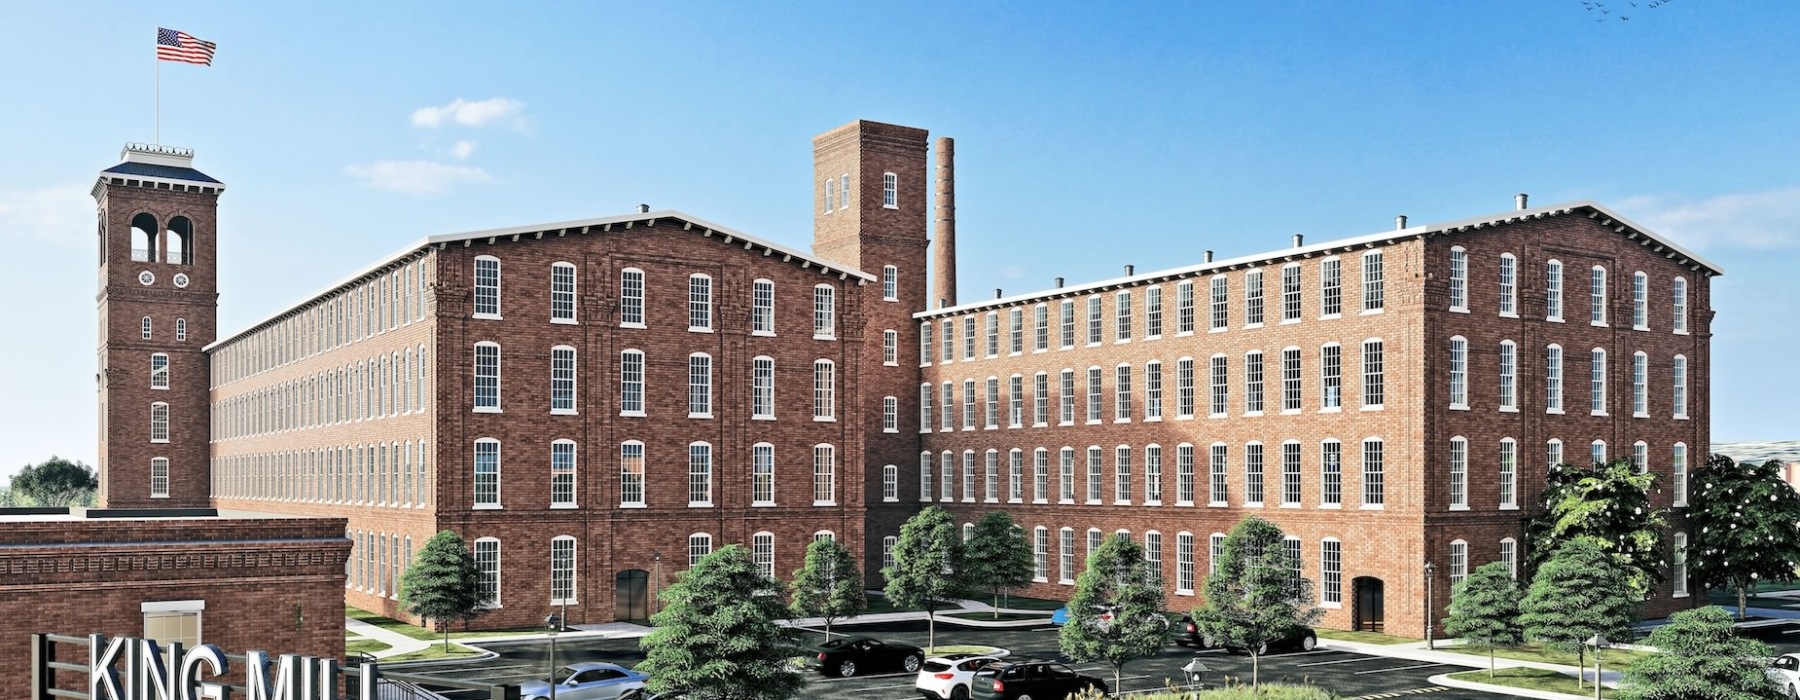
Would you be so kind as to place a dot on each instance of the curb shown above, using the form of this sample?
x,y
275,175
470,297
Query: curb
x,y
403,665
1446,680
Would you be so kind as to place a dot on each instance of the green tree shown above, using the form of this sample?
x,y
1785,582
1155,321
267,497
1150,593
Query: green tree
x,y
927,570
1608,505
1580,592
57,482
1257,594
1743,526
443,585
719,634
1118,580
828,585
1702,657
1484,610
997,556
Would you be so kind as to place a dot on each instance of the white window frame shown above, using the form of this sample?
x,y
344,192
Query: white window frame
x,y
700,475
824,312
1459,373
1553,291
890,191
1509,376
563,571
1597,295
700,385
1509,285
1640,301
486,302
762,475
564,481
824,475
485,486
762,308
563,396
487,383
1508,479
824,391
562,293
1459,280
632,367
1459,473
890,283
632,485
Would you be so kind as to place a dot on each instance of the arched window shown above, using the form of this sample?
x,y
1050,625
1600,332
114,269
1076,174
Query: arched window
x,y
699,475
1509,556
181,330
159,370
487,473
1509,285
1553,291
699,545
699,385
762,474
487,377
824,312
890,283
147,328
487,286
1597,381
143,238
824,390
1459,279
631,474
180,241
1459,561
1640,301
1459,473
1597,295
562,570
1459,373
762,550
824,475
159,422
631,298
890,190
762,388
890,483
699,303
762,307
562,292
487,563
887,551
159,477
562,474
1640,385
1040,554
1678,569
631,383
925,474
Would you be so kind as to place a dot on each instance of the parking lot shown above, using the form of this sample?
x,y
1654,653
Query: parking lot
x,y
1348,674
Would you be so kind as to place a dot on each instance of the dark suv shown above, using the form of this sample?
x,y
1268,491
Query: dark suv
x,y
1031,679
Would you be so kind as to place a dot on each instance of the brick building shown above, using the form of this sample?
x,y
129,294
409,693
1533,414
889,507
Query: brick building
x,y
593,404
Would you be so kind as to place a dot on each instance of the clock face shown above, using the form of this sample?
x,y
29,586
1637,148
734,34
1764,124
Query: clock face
x,y
146,278
181,279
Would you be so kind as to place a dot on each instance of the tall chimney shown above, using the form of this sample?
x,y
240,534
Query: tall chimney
x,y
1519,201
1400,222
943,247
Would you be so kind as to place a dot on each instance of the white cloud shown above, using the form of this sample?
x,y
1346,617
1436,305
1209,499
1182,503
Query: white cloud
x,y
462,149
62,214
503,111
420,178
1766,220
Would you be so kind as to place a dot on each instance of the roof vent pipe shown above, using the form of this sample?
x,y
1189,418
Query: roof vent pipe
x,y
643,208
1400,223
943,303
1059,283
1299,240
996,292
1209,256
1130,270
1520,199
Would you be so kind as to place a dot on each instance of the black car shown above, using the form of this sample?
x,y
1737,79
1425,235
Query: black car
x,y
1187,634
848,656
1296,639
1030,679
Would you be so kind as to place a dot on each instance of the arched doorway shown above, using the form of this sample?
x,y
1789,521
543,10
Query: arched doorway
x,y
631,595
1370,613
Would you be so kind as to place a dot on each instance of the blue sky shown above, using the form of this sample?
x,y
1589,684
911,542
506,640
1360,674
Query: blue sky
x,y
346,130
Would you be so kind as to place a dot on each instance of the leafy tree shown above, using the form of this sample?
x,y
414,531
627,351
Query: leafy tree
x,y
57,482
1702,657
1609,506
928,561
1257,595
997,556
719,635
828,585
1743,526
1117,580
1580,592
1484,610
443,585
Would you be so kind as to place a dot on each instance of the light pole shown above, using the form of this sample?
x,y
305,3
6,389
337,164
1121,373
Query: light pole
x,y
655,578
555,624
1598,642
1430,608
1195,672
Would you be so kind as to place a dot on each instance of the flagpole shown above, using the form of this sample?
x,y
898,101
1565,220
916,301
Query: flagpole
x,y
158,101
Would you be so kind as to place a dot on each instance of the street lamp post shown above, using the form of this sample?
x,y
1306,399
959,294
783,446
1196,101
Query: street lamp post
x,y
1430,608
554,623
1598,642
655,578
1195,672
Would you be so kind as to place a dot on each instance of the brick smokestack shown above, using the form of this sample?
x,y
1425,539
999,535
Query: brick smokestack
x,y
943,244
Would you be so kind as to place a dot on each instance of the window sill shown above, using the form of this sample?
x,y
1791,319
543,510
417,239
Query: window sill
x,y
821,504
1039,501
890,430
159,388
1121,420
1458,310
1123,503
633,506
155,441
1331,317
631,414
1039,579
1513,506
1040,424
1678,595
1459,407
1153,336
1679,332
1597,324
565,322
698,504
1252,326
1066,502
1331,506
1459,508
1290,411
890,206
1376,407
1599,414
1332,606
1680,416
773,418
991,427
1509,409
1290,505
700,416
564,412
1640,328
485,506
1253,504
1218,504
1253,414
1372,506
485,317
1091,421
1015,500
1064,424
1553,411
886,363
1121,341
968,499
1289,321
827,336
1508,314
890,298
480,409
1640,415
1067,582
824,419
1153,419
1040,350
159,495
762,334
698,329
1217,330
1332,409
1371,312
563,506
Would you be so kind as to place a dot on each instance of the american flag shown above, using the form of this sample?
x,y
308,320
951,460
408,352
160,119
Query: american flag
x,y
172,45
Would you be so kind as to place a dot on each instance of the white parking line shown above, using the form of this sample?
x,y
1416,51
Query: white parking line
x,y
1402,668
1340,661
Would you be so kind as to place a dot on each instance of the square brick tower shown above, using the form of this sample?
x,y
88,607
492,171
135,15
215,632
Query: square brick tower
x,y
158,308
869,211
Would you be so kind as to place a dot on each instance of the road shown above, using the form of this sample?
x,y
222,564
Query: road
x,y
1348,674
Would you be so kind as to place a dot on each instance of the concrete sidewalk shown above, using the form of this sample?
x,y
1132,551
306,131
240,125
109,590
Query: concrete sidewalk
x,y
397,643
1416,651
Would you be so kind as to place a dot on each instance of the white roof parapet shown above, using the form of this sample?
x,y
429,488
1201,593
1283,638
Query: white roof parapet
x,y
1369,240
690,224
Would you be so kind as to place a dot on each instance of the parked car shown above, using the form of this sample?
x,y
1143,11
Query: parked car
x,y
1784,672
594,680
1187,634
848,656
1296,639
1030,679
947,677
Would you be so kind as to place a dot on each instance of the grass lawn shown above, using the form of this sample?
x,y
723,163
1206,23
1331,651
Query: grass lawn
x,y
1021,603
363,646
989,615
435,651
1363,637
417,632
1613,658
1534,679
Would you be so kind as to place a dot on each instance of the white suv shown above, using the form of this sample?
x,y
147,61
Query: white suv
x,y
1784,672
947,677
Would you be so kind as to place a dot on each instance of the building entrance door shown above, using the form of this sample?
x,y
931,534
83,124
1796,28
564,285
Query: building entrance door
x,y
1371,609
631,595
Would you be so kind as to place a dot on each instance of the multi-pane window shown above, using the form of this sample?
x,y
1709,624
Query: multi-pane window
x,y
1373,384
1253,382
631,297
1640,456
1066,400
1509,285
1094,380
1152,474
1459,279
1679,369
487,377
1184,307
1373,294
1459,473
1597,296
1066,475
181,330
1015,330
562,571
1184,563
890,190
1122,316
1040,325
948,407
968,331
1459,372
699,385
1640,301
159,477
1153,312
562,474
824,475
762,311
146,329
1065,560
1040,399
890,347
562,293
1290,293
487,287
1015,476
992,414
1331,572
1553,452
159,370
1331,377
1221,391
890,283
1122,474
1290,379
1015,401
1040,554
1094,316
1597,381
1290,474
1680,321
1373,491
1678,568
1253,474
924,343
1122,393
631,474
830,194
699,545
1040,476
1221,300
1184,388
1184,474
1509,473
487,563
699,475
993,333
890,414
631,383
1509,366
947,343
562,379
968,406
1509,556
1066,323
1153,551
1553,366
487,473
1553,290
1459,562
1253,298
824,390
1331,473
762,390
1216,551
1216,483
1153,398
762,474
824,311
1094,475
925,476
1640,385
1597,452
1679,471
968,476
762,551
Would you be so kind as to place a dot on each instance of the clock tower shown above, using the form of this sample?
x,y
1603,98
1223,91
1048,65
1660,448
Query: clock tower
x,y
158,304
